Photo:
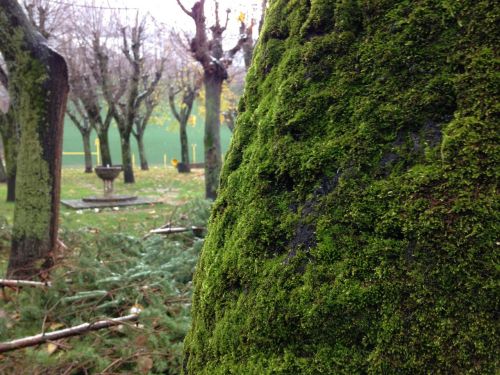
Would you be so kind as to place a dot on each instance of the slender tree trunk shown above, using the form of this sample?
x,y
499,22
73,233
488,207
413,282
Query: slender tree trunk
x,y
142,152
213,161
10,148
40,77
184,146
104,148
87,151
128,171
3,171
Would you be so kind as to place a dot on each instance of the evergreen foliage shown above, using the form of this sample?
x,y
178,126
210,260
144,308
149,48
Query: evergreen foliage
x,y
356,225
106,276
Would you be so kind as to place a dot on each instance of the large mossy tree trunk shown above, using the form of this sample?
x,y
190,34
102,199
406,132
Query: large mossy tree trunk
x,y
356,225
40,79
213,160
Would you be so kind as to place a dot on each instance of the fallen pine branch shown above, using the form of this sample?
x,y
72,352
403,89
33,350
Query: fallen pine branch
x,y
19,283
62,333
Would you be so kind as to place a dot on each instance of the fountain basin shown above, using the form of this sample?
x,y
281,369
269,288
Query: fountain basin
x,y
108,173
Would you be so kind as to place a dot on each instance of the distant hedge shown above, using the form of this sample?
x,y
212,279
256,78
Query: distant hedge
x,y
357,225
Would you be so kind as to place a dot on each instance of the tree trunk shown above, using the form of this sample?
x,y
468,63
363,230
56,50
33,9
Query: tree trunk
x,y
184,146
3,171
142,152
10,148
87,151
104,148
213,161
356,225
41,79
128,171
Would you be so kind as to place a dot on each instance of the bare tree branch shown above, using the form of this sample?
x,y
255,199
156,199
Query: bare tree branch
x,y
190,14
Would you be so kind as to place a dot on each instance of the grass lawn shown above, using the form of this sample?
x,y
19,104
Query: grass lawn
x,y
171,187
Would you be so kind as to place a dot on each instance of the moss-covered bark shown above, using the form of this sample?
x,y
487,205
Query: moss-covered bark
x,y
38,76
356,225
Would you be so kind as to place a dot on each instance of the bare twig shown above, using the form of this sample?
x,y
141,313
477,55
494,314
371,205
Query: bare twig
x,y
62,333
20,283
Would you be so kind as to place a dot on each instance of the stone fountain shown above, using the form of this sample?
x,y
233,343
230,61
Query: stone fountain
x,y
109,199
108,174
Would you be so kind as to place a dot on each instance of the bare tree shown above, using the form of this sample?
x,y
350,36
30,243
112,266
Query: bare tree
x,y
142,120
185,80
214,61
40,77
125,109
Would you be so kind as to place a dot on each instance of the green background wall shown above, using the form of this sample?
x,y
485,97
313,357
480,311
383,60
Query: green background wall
x,y
159,140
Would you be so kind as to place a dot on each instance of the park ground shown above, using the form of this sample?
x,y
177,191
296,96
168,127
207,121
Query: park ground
x,y
111,265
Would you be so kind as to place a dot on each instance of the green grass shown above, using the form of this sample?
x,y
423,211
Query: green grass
x,y
172,188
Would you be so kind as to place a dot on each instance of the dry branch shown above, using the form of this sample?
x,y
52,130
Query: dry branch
x,y
20,283
62,333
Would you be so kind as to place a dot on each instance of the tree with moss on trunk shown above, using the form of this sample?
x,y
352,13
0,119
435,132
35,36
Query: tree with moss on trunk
x,y
214,61
356,227
39,77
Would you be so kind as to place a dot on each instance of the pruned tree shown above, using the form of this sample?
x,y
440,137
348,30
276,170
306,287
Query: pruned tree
x,y
38,75
49,17
129,73
150,80
214,60
81,120
185,80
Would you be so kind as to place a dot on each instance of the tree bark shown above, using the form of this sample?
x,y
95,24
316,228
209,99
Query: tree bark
x,y
357,216
11,147
142,152
41,80
3,171
184,144
87,151
128,172
10,135
104,148
213,160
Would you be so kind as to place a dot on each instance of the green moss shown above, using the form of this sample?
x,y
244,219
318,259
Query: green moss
x,y
355,229
34,184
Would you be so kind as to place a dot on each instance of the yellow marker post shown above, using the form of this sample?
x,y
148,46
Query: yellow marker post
x,y
98,151
165,160
133,161
193,146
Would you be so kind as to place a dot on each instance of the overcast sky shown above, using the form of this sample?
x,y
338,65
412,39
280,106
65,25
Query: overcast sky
x,y
169,12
